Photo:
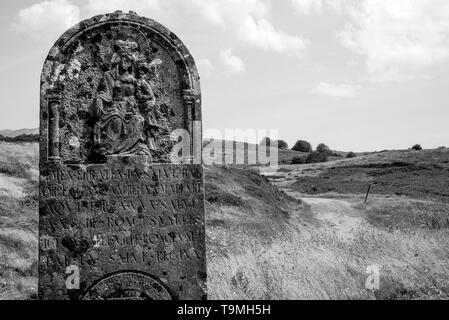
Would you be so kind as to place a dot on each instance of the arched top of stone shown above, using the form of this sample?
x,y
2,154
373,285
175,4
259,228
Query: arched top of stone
x,y
161,34
81,91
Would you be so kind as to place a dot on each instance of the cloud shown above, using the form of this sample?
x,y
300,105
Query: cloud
x,y
399,39
261,33
233,64
205,68
307,6
246,21
240,22
104,6
337,90
47,20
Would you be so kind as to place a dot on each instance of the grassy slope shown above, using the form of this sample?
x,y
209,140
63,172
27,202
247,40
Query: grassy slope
x,y
244,153
246,218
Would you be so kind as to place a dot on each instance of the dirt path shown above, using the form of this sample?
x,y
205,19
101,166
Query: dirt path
x,y
336,215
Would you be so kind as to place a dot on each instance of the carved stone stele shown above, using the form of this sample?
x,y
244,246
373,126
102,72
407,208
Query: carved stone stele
x,y
117,219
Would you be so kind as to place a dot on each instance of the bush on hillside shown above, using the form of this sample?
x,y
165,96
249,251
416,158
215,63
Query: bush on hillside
x,y
351,155
298,160
216,196
302,146
417,147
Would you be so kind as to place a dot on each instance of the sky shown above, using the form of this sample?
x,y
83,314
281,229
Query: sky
x,y
358,75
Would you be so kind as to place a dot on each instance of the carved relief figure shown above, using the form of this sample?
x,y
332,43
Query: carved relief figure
x,y
123,109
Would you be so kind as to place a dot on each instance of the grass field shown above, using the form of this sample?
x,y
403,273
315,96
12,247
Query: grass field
x,y
300,232
18,220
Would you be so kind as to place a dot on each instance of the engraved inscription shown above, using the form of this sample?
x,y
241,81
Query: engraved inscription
x,y
47,243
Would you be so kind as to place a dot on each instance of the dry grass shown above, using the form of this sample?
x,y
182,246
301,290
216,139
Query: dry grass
x,y
20,160
406,214
18,220
316,265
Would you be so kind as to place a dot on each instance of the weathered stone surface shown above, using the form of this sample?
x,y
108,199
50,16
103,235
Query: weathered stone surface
x,y
117,220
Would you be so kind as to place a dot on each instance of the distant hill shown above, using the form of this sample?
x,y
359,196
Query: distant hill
x,y
421,175
19,132
241,151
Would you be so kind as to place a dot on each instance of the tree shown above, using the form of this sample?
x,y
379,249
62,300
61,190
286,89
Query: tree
x,y
322,148
417,147
281,144
302,146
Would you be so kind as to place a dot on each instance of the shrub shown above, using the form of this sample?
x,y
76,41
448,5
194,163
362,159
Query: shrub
x,y
316,156
351,155
302,146
298,160
281,144
417,147
322,148
220,197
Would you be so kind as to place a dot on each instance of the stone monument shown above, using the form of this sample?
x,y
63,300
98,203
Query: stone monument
x,y
117,218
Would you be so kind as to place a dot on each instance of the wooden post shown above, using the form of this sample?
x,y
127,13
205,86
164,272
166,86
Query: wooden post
x,y
367,192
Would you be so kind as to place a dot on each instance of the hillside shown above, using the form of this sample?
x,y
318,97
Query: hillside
x,y
242,151
417,174
19,132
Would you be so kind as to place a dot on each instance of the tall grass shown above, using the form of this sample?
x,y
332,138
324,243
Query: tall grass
x,y
407,214
307,264
18,220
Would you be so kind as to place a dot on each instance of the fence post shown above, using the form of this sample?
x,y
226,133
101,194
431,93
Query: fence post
x,y
367,192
